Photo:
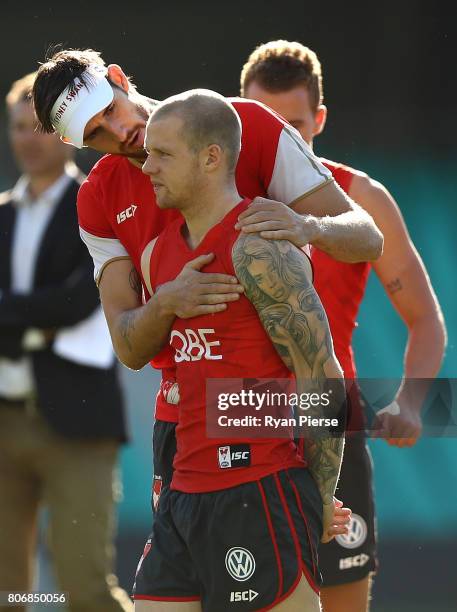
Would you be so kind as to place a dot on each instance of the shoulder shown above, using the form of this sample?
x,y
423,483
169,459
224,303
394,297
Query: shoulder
x,y
346,176
105,169
255,113
253,246
102,180
367,192
107,163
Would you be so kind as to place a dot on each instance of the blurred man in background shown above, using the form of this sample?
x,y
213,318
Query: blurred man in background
x,y
61,410
287,77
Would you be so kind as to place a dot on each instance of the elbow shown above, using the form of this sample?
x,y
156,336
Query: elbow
x,y
131,363
129,359
370,248
376,245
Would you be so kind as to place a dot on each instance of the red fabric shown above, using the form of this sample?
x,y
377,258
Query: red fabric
x,y
341,287
240,348
114,184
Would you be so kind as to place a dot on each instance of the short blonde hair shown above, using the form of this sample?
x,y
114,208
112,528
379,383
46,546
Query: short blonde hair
x,y
280,65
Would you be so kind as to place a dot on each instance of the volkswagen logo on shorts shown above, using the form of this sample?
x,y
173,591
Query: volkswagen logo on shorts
x,y
357,533
240,563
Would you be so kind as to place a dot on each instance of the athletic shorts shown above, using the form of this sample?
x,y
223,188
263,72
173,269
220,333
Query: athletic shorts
x,y
352,557
248,545
163,453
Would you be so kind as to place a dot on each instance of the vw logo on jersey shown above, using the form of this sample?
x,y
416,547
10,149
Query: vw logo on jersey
x,y
357,533
240,563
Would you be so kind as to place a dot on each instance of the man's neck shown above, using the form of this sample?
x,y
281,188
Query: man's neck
x,y
39,183
207,212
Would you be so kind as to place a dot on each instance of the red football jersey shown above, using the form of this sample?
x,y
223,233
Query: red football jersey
x,y
341,287
118,214
117,210
229,344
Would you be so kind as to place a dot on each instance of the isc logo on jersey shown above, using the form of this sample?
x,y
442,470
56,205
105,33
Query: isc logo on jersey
x,y
234,456
193,345
128,213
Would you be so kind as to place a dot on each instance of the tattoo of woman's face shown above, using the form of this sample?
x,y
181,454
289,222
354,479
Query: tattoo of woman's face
x,y
269,281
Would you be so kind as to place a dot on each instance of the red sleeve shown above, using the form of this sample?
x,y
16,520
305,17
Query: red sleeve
x,y
91,210
283,164
261,130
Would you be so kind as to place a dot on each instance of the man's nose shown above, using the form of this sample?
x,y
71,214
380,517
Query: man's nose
x,y
119,131
149,167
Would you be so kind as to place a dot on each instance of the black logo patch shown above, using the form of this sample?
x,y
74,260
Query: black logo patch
x,y
234,456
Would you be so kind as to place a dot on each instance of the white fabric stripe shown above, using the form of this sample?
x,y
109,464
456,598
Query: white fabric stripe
x,y
102,250
146,265
297,170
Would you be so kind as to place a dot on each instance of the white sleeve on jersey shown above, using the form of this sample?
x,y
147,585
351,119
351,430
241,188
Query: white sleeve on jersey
x,y
102,250
297,170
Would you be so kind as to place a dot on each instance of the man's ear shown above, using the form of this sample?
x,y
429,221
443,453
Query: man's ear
x,y
117,76
320,119
213,157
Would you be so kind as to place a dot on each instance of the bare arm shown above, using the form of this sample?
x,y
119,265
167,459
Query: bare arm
x,y
139,332
326,218
406,282
297,326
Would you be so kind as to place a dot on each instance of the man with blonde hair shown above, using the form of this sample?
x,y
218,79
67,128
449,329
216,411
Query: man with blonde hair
x,y
287,77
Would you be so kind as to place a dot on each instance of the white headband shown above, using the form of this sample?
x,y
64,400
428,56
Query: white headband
x,y
78,103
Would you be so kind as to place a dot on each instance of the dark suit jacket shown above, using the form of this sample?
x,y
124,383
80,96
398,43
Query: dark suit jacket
x,y
77,401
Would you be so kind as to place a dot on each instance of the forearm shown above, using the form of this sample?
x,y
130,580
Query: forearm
x,y
139,334
423,357
350,237
324,457
324,446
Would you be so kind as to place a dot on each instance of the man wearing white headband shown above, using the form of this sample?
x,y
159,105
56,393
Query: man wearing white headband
x,y
118,214
77,104
92,105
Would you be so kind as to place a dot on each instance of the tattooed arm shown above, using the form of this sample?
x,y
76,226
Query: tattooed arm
x,y
406,282
276,279
138,331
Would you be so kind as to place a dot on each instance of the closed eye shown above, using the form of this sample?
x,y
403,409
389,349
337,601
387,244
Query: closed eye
x,y
92,134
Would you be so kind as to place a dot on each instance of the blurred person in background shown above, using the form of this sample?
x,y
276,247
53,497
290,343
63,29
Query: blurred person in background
x,y
61,407
287,77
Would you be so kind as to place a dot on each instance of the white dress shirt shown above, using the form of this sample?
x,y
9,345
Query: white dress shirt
x,y
32,219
